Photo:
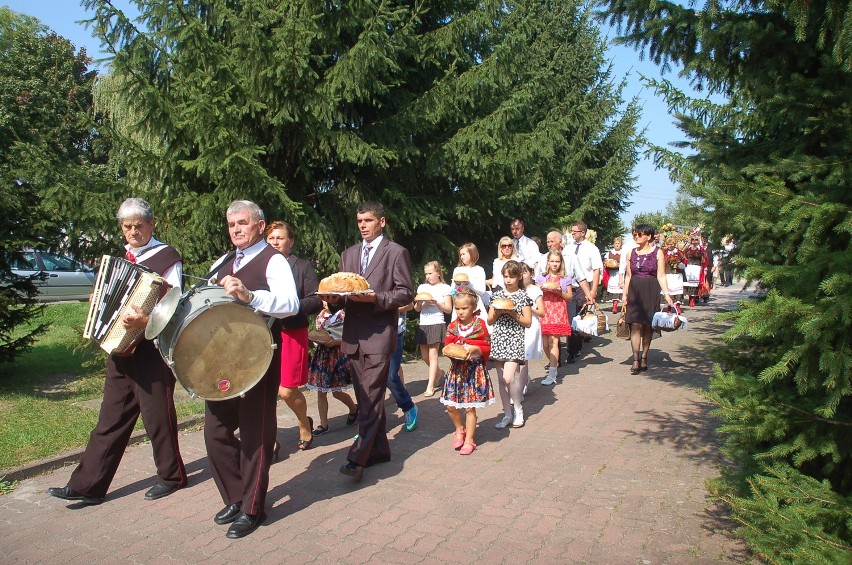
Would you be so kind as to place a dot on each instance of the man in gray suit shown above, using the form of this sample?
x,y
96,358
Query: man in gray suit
x,y
370,330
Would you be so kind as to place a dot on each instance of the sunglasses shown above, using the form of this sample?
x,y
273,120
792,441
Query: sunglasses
x,y
506,245
635,235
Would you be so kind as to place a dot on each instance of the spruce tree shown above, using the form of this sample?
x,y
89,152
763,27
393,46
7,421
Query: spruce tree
x,y
50,161
773,164
456,115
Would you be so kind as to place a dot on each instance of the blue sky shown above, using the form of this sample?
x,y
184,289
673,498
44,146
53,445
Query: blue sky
x,y
654,190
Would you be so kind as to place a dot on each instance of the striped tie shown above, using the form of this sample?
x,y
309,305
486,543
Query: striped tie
x,y
238,259
365,260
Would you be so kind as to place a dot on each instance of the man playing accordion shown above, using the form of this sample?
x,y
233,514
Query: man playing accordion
x,y
139,383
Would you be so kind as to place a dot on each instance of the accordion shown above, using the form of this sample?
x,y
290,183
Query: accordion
x,y
120,285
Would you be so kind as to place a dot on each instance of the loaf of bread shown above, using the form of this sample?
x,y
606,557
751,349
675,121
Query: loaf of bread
x,y
319,336
554,286
461,277
423,296
343,282
455,351
503,304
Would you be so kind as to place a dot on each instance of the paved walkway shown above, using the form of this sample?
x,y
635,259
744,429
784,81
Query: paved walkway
x,y
610,468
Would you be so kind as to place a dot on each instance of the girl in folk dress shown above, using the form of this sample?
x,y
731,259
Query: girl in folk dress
x,y
430,333
329,371
507,343
532,335
556,285
467,385
613,257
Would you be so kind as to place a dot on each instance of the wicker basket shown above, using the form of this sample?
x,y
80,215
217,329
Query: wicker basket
x,y
603,323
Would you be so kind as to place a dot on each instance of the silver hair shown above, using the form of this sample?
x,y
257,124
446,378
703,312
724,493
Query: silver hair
x,y
135,208
253,209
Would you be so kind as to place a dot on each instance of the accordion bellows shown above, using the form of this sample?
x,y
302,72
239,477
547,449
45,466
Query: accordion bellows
x,y
120,285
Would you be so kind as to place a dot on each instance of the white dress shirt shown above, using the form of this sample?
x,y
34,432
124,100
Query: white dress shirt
x,y
528,251
373,246
588,257
281,300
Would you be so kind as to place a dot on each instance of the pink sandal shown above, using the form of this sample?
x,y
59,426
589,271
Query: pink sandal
x,y
467,448
458,439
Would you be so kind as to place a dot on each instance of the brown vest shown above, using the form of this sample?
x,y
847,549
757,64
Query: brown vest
x,y
161,261
252,275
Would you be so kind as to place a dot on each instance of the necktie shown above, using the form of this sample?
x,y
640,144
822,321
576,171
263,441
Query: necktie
x,y
130,256
577,248
365,259
238,259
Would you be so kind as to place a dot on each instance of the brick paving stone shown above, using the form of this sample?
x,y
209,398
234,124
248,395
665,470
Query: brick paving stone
x,y
610,468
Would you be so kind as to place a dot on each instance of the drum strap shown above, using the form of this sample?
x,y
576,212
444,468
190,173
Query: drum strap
x,y
204,280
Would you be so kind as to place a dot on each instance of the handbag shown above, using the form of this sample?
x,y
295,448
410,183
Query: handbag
x,y
622,328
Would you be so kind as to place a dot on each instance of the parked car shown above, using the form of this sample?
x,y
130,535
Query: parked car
x,y
63,278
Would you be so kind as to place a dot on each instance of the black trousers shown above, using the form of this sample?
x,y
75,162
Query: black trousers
x,y
370,381
134,385
240,466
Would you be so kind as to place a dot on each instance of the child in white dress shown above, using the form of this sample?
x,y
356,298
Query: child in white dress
x,y
533,347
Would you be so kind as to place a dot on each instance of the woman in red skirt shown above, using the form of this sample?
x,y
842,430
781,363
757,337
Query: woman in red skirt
x,y
294,333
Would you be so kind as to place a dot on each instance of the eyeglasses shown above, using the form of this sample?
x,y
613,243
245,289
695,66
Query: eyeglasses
x,y
577,231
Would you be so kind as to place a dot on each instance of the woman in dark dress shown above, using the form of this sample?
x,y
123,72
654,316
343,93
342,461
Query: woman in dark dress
x,y
645,277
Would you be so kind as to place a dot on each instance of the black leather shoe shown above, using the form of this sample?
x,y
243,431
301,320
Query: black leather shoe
x,y
353,470
245,524
160,490
228,514
67,493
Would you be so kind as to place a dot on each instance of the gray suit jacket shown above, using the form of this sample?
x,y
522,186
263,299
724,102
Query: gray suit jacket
x,y
368,327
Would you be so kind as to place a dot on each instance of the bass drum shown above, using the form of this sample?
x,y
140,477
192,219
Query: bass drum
x,y
216,347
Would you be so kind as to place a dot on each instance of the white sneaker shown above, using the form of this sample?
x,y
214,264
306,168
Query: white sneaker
x,y
549,380
504,423
518,422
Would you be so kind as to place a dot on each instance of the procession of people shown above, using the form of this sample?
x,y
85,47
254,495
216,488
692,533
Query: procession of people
x,y
525,311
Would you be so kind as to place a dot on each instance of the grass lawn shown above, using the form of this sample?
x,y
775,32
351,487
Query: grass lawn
x,y
42,394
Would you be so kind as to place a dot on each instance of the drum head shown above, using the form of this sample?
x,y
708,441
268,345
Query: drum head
x,y
222,352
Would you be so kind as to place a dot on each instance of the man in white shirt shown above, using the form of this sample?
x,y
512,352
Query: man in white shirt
x,y
590,264
257,275
528,251
554,243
